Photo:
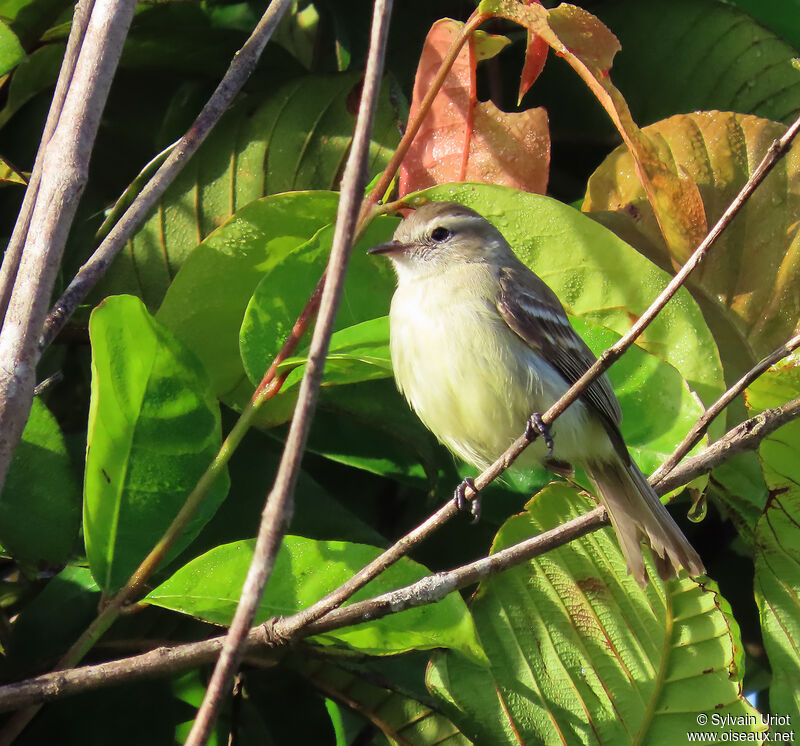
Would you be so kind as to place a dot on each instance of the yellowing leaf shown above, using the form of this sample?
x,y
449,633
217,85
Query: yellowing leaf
x,y
752,276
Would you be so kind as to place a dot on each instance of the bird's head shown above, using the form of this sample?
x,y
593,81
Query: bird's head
x,y
442,235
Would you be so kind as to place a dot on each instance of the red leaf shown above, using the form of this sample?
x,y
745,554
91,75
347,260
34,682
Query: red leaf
x,y
535,57
463,140
442,143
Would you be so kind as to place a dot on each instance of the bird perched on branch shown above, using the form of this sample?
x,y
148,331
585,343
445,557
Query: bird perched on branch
x,y
480,346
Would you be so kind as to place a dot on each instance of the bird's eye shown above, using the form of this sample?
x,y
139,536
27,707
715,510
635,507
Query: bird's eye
x,y
440,234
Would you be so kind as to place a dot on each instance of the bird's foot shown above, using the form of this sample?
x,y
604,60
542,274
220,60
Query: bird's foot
x,y
536,427
470,507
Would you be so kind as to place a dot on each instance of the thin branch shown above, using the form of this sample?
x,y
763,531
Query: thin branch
x,y
379,191
165,661
701,426
235,77
279,507
242,65
48,382
746,436
13,253
64,172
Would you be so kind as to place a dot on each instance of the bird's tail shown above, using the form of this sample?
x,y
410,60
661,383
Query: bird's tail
x,y
638,515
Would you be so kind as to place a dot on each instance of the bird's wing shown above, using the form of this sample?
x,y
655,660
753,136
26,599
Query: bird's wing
x,y
532,311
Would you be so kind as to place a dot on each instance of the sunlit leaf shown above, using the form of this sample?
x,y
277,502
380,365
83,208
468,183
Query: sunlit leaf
x,y
357,353
10,175
581,654
751,276
777,542
294,138
462,139
286,286
305,571
206,303
154,427
11,51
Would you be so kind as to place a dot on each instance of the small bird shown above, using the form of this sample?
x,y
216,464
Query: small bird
x,y
480,346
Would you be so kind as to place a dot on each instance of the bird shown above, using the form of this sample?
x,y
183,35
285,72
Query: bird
x,y
480,346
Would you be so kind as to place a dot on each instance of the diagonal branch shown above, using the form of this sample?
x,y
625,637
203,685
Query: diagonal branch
x,y
13,253
701,426
242,65
336,598
746,436
64,164
278,510
164,661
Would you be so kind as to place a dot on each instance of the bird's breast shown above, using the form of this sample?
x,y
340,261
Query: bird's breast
x,y
470,379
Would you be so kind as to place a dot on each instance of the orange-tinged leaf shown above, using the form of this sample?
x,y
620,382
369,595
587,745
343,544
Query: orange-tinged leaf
x,y
752,276
440,147
535,57
589,48
464,140
510,149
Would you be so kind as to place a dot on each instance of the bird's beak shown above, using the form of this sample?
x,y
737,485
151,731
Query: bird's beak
x,y
390,247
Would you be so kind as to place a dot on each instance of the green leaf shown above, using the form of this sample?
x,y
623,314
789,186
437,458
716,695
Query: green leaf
x,y
357,353
29,19
705,55
658,408
777,541
34,74
777,581
597,276
581,654
305,571
154,427
11,51
10,175
205,304
286,287
40,506
782,16
747,282
292,139
40,636
737,486
178,38
402,715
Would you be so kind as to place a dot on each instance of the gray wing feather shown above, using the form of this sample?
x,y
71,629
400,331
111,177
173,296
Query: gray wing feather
x,y
536,315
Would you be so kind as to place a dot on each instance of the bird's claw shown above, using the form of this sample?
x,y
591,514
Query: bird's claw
x,y
471,507
536,427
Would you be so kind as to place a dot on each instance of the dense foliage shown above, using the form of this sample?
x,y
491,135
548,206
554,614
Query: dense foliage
x,y
157,365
